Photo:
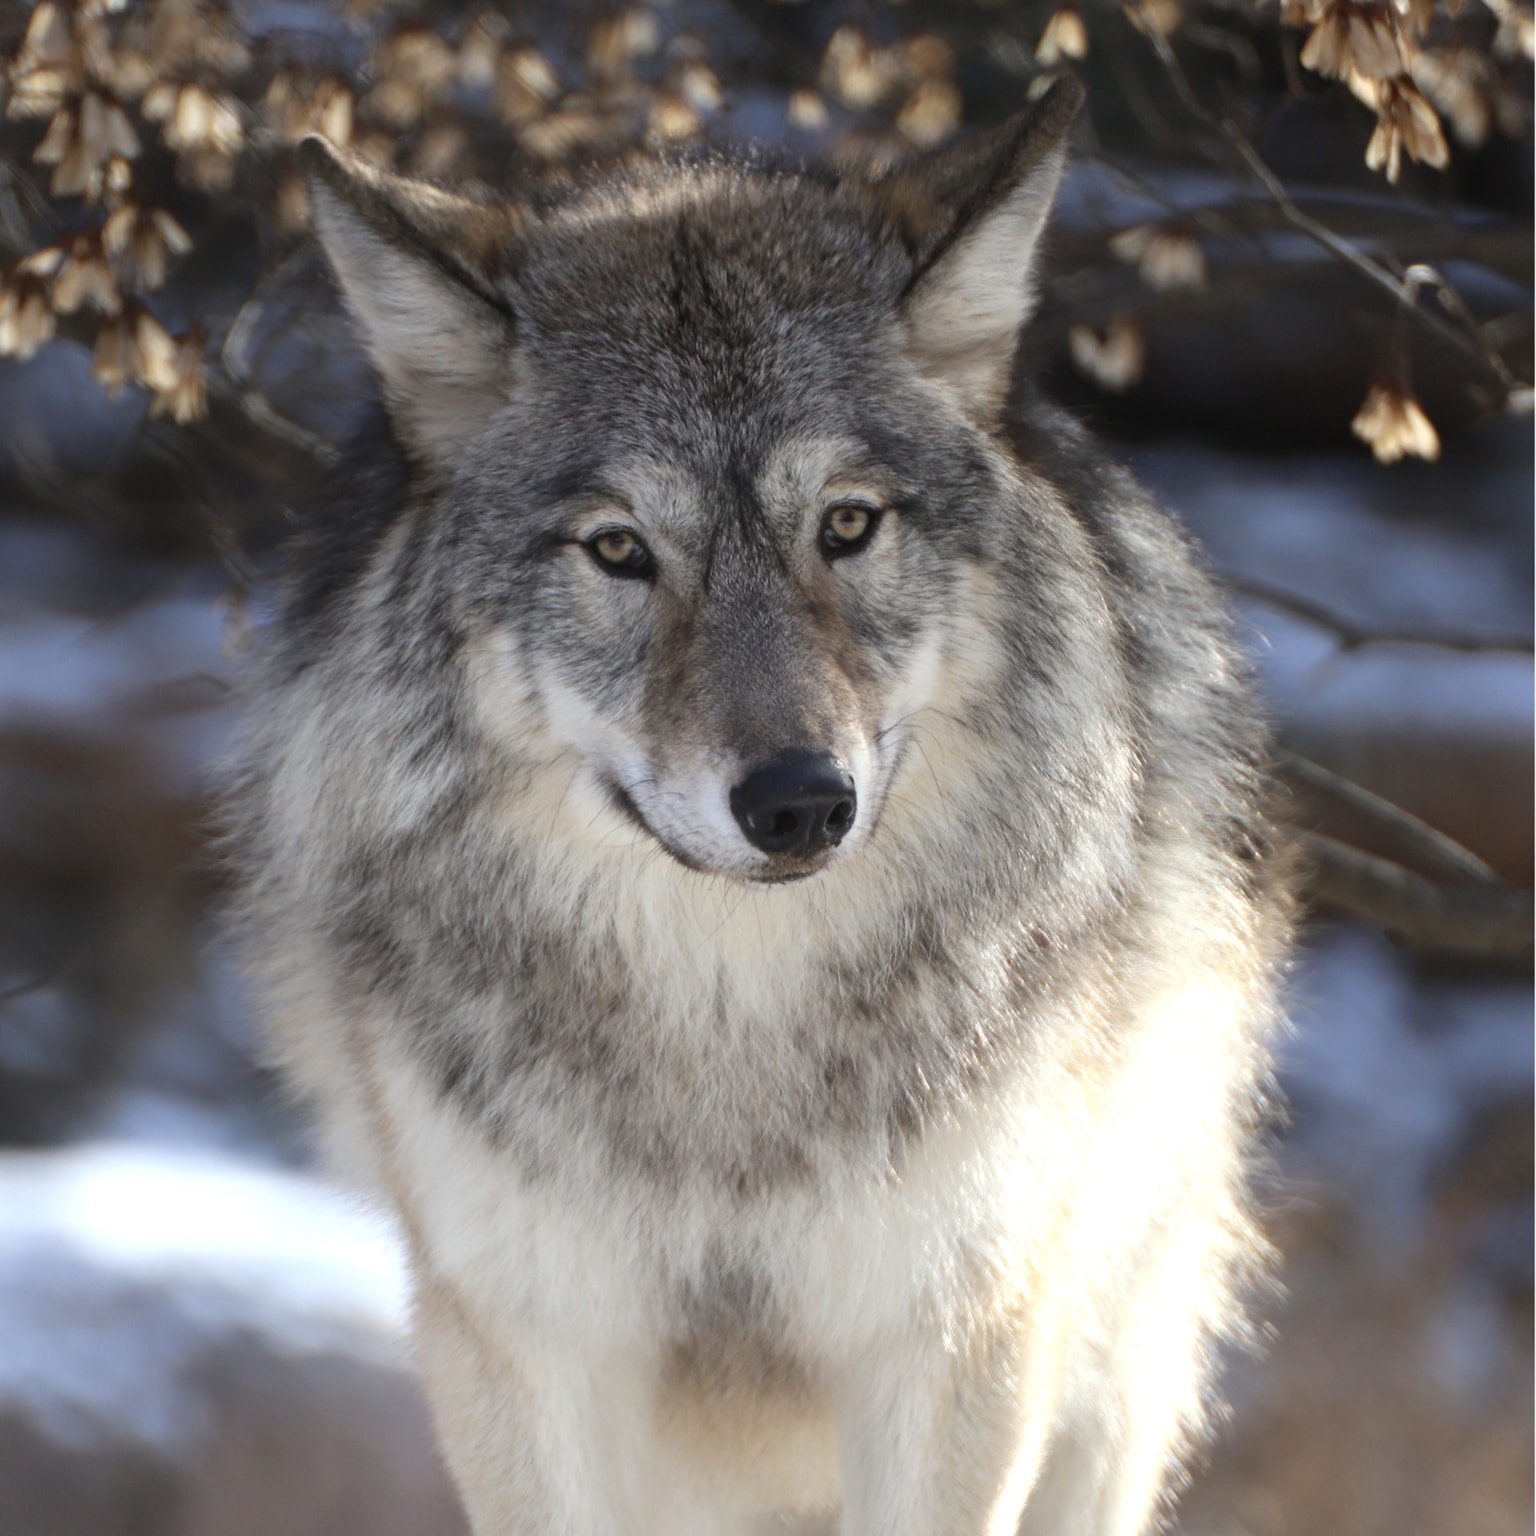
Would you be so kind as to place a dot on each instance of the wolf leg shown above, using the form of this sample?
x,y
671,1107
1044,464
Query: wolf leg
x,y
934,1443
1142,1402
543,1443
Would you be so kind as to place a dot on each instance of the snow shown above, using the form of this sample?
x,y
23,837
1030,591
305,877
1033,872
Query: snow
x,y
194,1246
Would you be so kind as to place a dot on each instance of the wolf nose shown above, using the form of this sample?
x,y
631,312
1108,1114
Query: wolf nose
x,y
797,803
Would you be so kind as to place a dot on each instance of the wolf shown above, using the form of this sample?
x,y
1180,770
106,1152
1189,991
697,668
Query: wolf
x,y
754,837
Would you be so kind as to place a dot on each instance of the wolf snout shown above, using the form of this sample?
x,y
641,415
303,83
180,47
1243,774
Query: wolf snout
x,y
798,803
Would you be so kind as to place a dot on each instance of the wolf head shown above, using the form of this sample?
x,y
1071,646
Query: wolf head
x,y
710,450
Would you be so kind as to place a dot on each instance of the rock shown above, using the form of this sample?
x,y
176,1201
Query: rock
x,y
192,1346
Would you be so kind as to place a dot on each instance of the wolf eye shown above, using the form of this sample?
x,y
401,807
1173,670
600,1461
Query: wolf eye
x,y
619,552
847,527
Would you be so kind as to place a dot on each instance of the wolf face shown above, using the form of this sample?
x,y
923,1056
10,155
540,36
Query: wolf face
x,y
715,451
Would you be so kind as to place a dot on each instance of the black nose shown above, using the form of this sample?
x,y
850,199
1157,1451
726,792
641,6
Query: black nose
x,y
798,803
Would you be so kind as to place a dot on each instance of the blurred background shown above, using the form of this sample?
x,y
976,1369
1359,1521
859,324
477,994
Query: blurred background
x,y
1290,282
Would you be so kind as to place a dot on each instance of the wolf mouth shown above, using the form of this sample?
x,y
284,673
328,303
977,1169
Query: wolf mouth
x,y
779,871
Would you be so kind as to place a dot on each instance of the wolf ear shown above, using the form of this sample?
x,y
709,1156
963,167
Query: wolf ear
x,y
414,265
972,216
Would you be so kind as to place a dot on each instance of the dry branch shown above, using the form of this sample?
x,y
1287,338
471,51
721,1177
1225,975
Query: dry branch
x,y
1351,636
1488,921
1413,842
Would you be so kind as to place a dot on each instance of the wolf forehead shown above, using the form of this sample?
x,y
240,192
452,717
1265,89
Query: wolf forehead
x,y
710,264
739,288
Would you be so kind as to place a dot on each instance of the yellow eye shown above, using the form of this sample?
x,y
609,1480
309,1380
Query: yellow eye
x,y
848,527
619,552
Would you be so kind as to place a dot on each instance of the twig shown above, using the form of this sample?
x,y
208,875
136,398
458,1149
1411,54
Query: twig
x,y
1494,921
1352,636
1241,146
20,989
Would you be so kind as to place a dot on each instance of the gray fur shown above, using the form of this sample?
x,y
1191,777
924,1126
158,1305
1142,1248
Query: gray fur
x,y
607,1000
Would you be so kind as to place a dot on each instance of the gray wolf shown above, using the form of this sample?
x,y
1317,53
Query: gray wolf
x,y
752,836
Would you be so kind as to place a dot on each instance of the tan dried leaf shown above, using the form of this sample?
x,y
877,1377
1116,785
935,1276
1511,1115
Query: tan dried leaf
x,y
578,127
49,38
1517,30
290,205
928,57
209,170
671,119
1114,361
525,85
140,242
439,152
154,352
1163,17
185,398
196,118
26,315
1352,38
930,114
1416,14
295,106
44,262
85,277
39,92
1168,256
699,86
857,70
807,109
1395,426
112,358
1462,84
487,33
616,41
1065,37
413,69
1405,121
